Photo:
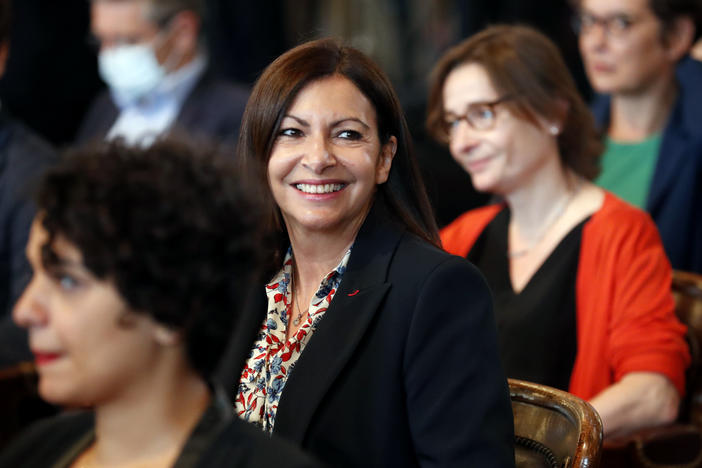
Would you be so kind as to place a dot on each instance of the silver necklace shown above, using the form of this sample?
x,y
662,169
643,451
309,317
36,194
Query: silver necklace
x,y
557,214
296,320
296,302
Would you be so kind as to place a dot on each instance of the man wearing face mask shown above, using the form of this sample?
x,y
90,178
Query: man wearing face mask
x,y
152,59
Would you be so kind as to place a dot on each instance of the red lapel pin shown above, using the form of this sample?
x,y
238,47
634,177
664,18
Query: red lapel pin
x,y
353,293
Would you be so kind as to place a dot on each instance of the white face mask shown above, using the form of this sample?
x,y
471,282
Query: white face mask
x,y
131,71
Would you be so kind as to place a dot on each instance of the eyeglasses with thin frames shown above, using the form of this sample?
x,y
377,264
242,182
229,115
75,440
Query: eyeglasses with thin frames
x,y
96,43
479,115
614,26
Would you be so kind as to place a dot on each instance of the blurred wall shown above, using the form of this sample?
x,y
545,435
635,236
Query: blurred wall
x,y
51,74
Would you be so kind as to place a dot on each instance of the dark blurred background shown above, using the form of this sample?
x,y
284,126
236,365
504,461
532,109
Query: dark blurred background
x,y
52,77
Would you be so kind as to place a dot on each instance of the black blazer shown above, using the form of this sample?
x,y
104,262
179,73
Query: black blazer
x,y
403,369
218,440
213,109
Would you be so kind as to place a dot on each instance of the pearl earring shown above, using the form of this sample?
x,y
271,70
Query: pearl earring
x,y
554,130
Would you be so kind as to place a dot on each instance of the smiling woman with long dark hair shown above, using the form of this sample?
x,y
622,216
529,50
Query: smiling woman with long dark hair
x,y
367,345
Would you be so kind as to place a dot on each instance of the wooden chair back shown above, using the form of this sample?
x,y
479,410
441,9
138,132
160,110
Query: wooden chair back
x,y
687,291
553,428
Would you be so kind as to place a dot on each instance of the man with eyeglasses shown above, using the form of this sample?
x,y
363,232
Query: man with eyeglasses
x,y
636,56
152,58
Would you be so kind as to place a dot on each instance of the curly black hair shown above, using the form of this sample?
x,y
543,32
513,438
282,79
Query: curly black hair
x,y
171,225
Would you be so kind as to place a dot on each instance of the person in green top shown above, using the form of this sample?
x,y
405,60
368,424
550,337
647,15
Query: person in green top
x,y
624,56
627,168
636,55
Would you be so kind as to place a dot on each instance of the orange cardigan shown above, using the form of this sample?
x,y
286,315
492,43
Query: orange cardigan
x,y
624,308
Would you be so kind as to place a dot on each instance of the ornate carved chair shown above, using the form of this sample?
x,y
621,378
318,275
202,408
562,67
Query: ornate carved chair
x,y
687,290
553,428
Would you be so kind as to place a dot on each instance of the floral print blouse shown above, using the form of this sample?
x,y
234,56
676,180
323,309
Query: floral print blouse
x,y
272,358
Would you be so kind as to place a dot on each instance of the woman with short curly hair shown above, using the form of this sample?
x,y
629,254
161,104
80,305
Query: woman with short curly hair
x,y
140,258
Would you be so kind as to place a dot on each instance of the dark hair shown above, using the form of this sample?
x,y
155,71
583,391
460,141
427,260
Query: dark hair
x,y
669,11
403,195
5,17
170,225
525,64
160,12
